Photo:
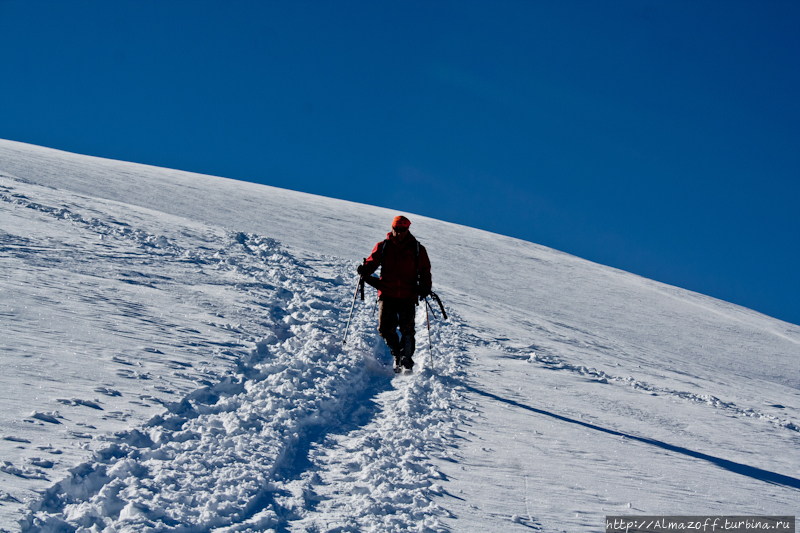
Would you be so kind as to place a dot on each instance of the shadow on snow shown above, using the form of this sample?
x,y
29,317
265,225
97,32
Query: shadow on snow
x,y
732,466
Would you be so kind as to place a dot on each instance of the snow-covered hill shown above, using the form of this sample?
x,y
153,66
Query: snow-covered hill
x,y
173,362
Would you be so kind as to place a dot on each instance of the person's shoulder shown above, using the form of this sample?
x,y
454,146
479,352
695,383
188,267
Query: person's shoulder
x,y
422,250
378,246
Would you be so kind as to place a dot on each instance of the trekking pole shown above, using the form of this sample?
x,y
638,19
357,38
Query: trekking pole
x,y
359,285
427,303
428,318
351,311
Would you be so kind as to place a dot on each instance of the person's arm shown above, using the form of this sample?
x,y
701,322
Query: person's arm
x,y
372,263
425,280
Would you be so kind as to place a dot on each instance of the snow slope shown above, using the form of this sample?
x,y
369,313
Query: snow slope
x,y
174,363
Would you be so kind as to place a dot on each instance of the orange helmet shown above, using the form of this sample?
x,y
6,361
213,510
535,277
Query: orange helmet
x,y
401,222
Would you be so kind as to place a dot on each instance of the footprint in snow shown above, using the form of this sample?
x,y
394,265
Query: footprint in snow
x,y
46,417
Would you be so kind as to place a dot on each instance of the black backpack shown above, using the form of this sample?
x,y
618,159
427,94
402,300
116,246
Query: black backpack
x,y
416,257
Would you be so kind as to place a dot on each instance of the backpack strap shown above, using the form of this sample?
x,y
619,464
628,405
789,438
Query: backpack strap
x,y
383,252
416,262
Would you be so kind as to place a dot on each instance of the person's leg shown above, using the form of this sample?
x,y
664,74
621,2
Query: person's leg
x,y
407,313
387,326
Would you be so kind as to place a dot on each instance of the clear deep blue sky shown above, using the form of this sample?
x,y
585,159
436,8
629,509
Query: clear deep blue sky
x,y
659,137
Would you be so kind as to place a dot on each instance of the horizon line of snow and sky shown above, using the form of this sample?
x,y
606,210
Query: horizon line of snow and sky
x,y
660,138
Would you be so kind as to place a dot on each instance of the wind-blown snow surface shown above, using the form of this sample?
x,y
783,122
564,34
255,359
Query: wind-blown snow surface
x,y
173,362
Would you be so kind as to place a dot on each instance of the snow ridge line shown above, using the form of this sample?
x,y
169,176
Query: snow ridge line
x,y
534,354
107,227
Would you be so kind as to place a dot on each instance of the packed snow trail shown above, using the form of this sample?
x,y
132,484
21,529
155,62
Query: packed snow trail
x,y
297,432
379,477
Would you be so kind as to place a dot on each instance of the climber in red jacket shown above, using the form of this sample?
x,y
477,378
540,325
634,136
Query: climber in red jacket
x,y
405,279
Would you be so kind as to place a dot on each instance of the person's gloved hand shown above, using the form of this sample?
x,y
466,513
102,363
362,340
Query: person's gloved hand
x,y
423,292
361,270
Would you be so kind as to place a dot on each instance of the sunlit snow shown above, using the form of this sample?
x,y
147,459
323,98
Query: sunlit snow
x,y
172,361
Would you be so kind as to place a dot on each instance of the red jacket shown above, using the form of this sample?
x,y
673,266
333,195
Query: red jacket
x,y
400,266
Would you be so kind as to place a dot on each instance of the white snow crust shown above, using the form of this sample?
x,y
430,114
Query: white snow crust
x,y
173,361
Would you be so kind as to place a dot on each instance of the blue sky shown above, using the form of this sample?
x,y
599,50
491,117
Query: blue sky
x,y
659,137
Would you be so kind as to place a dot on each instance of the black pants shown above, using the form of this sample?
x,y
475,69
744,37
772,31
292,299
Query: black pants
x,y
396,313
